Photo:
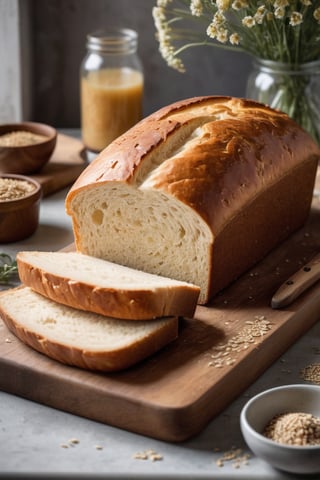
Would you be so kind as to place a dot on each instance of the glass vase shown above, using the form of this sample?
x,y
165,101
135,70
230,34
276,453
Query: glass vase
x,y
293,89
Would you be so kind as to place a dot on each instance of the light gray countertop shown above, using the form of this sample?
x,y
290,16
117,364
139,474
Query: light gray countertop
x,y
33,437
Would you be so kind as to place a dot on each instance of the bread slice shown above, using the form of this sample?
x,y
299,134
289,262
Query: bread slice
x,y
82,339
99,286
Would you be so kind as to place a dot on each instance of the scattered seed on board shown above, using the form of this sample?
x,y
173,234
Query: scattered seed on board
x,y
311,373
224,353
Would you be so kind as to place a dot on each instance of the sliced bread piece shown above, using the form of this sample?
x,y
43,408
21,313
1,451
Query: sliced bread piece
x,y
82,339
99,286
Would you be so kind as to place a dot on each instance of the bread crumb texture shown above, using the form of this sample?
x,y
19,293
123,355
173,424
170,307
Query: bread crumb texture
x,y
296,428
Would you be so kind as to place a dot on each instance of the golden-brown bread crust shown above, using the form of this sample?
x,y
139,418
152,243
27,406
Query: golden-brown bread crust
x,y
123,156
242,156
248,237
235,143
130,304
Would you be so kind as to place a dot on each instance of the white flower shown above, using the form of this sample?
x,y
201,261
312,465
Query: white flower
x,y
316,14
222,35
296,18
234,39
218,18
159,17
164,37
196,8
239,4
260,14
212,30
248,21
279,13
223,5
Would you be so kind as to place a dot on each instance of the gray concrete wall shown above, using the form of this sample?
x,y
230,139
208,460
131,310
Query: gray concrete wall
x,y
59,34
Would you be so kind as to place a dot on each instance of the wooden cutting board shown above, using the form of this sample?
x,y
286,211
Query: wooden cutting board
x,y
64,167
219,353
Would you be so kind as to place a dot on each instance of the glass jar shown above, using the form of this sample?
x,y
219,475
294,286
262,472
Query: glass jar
x,y
293,89
111,87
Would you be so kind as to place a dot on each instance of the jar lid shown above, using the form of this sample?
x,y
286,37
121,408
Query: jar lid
x,y
113,40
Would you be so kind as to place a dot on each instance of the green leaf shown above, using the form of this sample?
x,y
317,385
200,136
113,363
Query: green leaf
x,y
8,268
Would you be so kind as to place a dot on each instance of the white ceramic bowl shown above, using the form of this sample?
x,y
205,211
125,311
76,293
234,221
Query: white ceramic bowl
x,y
257,413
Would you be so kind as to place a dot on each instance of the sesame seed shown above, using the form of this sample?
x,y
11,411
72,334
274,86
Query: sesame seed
x,y
296,428
148,455
311,373
235,456
140,456
74,441
253,329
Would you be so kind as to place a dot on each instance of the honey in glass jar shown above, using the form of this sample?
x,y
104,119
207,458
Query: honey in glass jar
x,y
111,87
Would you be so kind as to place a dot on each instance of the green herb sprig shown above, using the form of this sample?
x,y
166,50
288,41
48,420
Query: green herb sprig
x,y
8,269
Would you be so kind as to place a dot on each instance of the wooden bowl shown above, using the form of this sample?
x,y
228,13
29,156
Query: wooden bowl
x,y
19,213
28,157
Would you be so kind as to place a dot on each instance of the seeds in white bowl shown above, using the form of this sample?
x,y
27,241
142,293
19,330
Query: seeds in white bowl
x,y
297,428
12,188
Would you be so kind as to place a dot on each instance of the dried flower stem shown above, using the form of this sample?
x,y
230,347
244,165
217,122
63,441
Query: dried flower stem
x,y
277,30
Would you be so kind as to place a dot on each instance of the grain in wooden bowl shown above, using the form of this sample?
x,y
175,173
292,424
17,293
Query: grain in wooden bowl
x,y
20,198
26,147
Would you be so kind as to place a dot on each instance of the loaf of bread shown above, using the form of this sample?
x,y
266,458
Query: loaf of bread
x,y
79,338
199,191
99,286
